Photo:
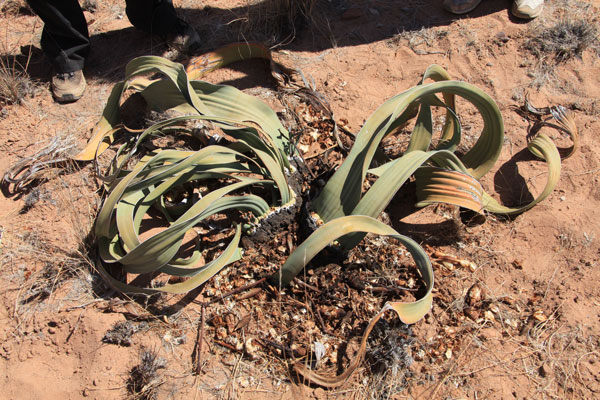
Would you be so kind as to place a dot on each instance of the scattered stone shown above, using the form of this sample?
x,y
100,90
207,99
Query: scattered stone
x,y
539,316
472,313
251,349
545,370
490,334
244,382
501,36
474,295
489,316
513,323
448,354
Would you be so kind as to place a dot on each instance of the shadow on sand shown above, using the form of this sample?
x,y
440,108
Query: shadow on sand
x,y
336,23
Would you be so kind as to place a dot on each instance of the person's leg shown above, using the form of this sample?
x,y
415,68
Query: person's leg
x,y
527,9
65,41
159,17
65,38
460,6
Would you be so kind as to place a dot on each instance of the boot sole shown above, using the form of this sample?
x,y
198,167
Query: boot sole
x,y
474,6
67,98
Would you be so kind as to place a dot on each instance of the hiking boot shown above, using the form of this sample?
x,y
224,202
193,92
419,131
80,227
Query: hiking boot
x,y
460,6
187,42
527,9
68,86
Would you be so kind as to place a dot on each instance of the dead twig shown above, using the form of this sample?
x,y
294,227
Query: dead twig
x,y
199,340
230,293
74,327
322,152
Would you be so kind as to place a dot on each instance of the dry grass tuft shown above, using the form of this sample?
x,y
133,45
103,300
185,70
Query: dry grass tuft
x,y
560,40
144,379
555,361
14,7
48,280
42,264
275,21
390,357
15,84
563,41
58,268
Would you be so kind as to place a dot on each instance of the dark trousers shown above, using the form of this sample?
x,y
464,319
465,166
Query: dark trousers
x,y
65,38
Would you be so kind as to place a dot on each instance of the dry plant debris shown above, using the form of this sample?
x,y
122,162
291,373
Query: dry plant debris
x,y
54,158
121,332
145,378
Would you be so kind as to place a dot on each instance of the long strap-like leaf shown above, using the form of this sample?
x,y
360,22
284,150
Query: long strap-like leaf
x,y
344,190
409,313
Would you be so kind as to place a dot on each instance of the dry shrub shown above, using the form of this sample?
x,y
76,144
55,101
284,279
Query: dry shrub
x,y
390,358
14,7
144,379
15,84
566,39
554,41
275,21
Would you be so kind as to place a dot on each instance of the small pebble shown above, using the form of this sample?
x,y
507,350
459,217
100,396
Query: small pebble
x,y
501,36
545,370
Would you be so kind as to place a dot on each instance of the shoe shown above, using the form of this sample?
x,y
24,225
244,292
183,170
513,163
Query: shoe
x,y
68,87
460,6
187,42
527,9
